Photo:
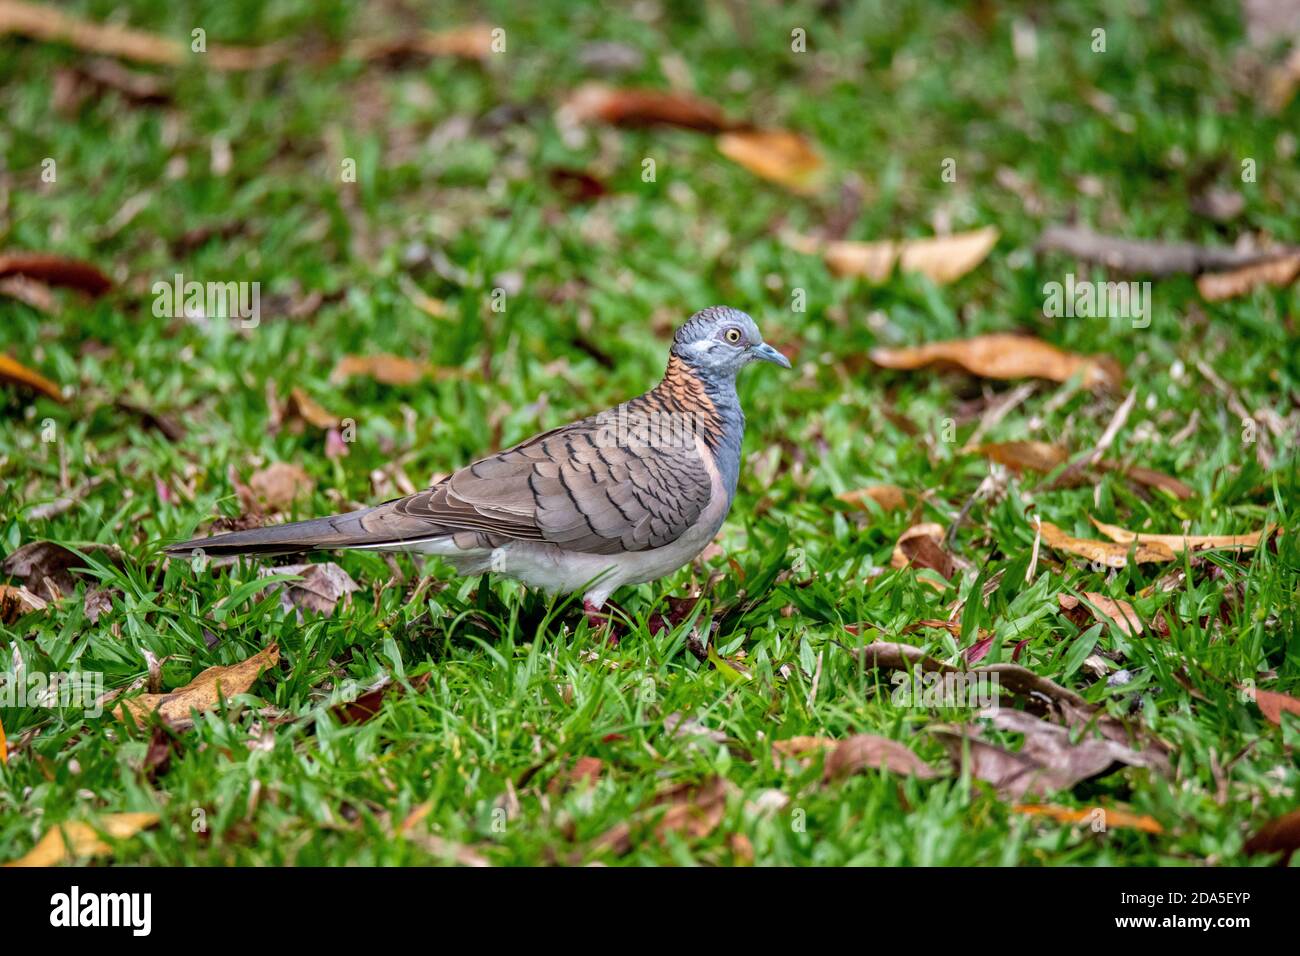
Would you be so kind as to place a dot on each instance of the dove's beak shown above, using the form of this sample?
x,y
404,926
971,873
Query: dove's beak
x,y
766,353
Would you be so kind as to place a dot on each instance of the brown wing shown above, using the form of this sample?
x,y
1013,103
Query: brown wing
x,y
620,481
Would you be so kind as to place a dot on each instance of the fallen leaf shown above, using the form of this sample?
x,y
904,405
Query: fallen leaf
x,y
1107,816
385,369
922,546
576,185
693,812
887,497
204,693
778,155
77,839
584,773
276,487
870,752
1004,356
1022,456
470,42
1178,543
17,601
14,373
1152,479
1273,705
47,568
54,270
1047,761
1108,553
1121,612
596,102
1217,286
369,703
1281,835
4,744
323,585
942,259
1148,257
305,408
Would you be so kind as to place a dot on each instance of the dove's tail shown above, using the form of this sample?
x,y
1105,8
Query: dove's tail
x,y
320,534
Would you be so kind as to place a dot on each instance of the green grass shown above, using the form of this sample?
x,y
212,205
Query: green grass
x,y
518,687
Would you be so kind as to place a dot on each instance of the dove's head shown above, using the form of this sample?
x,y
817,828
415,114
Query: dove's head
x,y
719,341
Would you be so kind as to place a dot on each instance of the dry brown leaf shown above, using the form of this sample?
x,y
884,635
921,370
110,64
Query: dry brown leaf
x,y
276,487
55,26
1273,705
470,42
693,812
1049,760
943,259
781,156
1178,543
1217,286
47,568
17,601
922,546
204,693
77,839
1153,479
53,270
4,744
596,102
887,497
1281,835
1004,356
369,703
14,373
323,585
1121,612
1108,553
870,752
1108,817
304,407
1025,455
385,369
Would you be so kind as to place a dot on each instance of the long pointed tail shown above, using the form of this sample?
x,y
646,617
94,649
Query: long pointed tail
x,y
319,534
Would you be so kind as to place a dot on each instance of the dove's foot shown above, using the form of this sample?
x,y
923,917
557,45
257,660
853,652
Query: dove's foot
x,y
596,619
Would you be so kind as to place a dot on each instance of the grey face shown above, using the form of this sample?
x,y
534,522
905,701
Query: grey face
x,y
722,341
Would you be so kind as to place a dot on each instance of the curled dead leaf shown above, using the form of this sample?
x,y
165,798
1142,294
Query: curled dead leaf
x,y
596,102
55,270
1108,553
204,693
1217,286
1273,705
778,155
305,408
18,601
323,585
1102,818
275,487
1102,607
922,546
1280,835
870,752
942,259
15,373
1004,356
385,369
370,702
1178,543
77,839
1025,455
887,497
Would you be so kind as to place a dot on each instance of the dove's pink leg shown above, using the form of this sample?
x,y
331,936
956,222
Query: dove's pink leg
x,y
596,618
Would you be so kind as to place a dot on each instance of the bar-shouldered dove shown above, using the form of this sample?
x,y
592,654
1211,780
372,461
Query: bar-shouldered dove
x,y
622,497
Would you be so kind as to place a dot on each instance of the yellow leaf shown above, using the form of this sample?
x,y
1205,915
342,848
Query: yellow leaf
x,y
779,155
75,839
204,693
1179,543
943,259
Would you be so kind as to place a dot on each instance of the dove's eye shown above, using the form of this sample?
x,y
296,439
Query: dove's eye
x,y
732,335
